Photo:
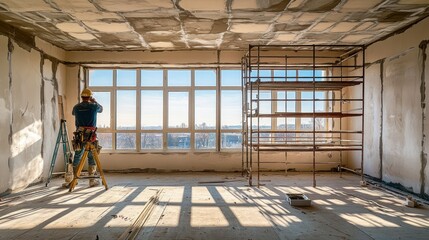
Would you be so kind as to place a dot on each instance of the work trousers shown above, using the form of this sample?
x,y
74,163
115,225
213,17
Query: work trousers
x,y
78,156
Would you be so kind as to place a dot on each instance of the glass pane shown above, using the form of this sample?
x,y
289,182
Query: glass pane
x,y
126,141
230,78
305,75
178,109
306,123
205,78
205,140
151,140
283,106
231,140
151,109
152,78
320,105
264,108
100,77
264,75
126,110
105,140
281,75
103,119
231,109
307,106
205,109
126,78
320,74
263,137
178,140
179,77
320,123
286,106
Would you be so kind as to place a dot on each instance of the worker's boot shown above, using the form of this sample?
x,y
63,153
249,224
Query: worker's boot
x,y
92,170
69,175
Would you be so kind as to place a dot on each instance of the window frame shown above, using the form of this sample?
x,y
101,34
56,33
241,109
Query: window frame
x,y
218,88
191,129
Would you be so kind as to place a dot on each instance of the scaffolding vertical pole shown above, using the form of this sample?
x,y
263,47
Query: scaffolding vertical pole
x,y
286,110
251,118
258,118
363,111
243,117
314,116
341,120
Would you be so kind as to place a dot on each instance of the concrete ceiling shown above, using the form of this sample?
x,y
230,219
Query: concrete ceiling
x,y
159,25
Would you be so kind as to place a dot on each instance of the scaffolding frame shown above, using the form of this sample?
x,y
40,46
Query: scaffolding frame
x,y
344,70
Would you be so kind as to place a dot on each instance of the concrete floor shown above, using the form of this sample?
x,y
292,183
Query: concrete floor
x,y
189,209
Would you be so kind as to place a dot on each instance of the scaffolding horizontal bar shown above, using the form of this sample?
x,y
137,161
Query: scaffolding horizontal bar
x,y
307,100
304,131
303,145
265,66
304,85
306,149
308,115
317,163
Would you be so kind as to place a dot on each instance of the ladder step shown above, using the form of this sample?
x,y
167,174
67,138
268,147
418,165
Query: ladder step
x,y
88,177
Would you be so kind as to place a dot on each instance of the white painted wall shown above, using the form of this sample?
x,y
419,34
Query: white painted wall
x,y
397,63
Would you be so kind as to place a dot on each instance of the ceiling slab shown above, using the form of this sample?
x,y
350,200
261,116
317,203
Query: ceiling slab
x,y
208,24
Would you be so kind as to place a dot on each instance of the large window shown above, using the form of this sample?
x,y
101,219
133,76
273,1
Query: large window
x,y
192,109
168,109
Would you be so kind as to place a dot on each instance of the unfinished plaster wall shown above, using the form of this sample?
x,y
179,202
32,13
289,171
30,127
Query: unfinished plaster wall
x,y
25,162
396,124
5,115
28,111
373,118
402,120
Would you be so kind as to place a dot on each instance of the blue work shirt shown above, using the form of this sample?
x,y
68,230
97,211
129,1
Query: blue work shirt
x,y
86,114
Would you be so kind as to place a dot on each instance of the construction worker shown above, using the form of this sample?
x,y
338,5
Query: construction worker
x,y
86,121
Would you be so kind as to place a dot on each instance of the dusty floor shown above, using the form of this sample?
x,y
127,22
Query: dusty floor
x,y
190,209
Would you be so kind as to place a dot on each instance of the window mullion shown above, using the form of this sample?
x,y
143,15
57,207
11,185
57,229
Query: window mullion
x,y
191,109
138,111
165,111
114,117
218,116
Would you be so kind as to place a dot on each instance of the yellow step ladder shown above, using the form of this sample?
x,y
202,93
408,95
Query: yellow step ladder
x,y
89,147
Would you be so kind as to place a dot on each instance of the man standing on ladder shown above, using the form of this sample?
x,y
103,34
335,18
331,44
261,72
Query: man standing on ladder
x,y
86,118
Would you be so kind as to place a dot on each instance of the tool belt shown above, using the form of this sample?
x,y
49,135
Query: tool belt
x,y
84,135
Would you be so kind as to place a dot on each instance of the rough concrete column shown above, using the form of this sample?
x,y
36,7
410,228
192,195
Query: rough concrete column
x,y
424,78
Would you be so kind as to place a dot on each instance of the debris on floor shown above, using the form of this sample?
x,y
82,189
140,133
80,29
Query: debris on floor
x,y
410,202
135,228
122,217
220,181
298,200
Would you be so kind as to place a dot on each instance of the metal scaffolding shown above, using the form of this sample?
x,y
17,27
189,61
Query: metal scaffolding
x,y
277,69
